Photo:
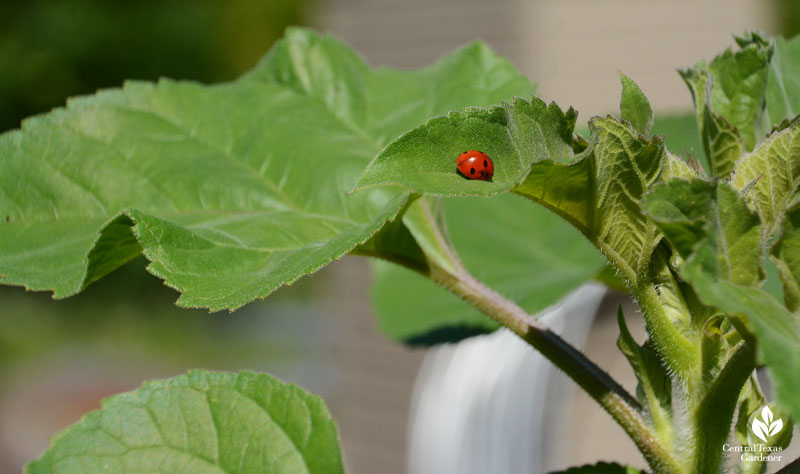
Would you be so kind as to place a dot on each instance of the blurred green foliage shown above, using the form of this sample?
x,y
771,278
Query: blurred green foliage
x,y
131,314
53,49
788,17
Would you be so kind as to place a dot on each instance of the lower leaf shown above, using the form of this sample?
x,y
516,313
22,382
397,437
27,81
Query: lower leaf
x,y
202,422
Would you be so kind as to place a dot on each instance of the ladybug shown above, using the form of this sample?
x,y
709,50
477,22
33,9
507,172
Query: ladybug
x,y
475,164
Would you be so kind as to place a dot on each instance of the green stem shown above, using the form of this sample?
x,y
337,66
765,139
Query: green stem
x,y
679,354
712,418
622,407
445,268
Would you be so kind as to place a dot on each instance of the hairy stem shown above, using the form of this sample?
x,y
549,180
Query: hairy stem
x,y
713,416
622,407
679,354
445,268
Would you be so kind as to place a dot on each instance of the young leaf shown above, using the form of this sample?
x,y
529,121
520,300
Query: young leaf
x,y
709,222
514,135
771,176
698,79
655,387
599,194
634,106
721,141
729,100
202,422
738,83
719,238
230,190
750,400
783,84
523,251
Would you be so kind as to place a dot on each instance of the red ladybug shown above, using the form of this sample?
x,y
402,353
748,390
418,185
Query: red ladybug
x,y
475,164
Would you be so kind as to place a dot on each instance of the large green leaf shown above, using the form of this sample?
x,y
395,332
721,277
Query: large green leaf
x,y
514,135
231,190
783,84
771,176
202,422
523,251
383,103
532,146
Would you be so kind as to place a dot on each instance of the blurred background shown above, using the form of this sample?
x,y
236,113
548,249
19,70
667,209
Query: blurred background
x,y
59,358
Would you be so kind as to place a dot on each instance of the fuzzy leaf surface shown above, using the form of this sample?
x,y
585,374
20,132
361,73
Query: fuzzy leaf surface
x,y
230,190
634,106
709,223
514,135
738,84
599,192
202,422
771,172
720,240
729,101
722,143
654,386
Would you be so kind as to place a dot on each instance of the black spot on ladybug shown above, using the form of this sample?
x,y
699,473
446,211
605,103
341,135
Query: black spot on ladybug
x,y
472,171
485,164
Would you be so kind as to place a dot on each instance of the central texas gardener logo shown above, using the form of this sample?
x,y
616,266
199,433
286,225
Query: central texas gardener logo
x,y
766,427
